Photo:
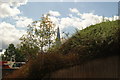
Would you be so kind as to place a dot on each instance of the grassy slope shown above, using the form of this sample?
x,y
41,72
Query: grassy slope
x,y
95,41
96,38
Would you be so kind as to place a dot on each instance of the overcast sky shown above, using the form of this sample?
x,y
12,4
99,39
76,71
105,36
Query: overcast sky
x,y
15,16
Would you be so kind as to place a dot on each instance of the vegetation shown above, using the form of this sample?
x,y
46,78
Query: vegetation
x,y
39,37
13,52
95,41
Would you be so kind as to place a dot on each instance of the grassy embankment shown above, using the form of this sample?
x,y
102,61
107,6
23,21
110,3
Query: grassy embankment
x,y
95,41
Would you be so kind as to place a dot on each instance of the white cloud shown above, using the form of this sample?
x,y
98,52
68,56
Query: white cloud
x,y
6,11
90,19
22,21
74,10
54,13
17,2
9,34
10,7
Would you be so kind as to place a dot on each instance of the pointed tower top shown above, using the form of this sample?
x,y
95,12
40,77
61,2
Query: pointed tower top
x,y
58,41
58,33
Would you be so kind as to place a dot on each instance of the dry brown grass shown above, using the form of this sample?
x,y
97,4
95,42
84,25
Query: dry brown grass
x,y
44,64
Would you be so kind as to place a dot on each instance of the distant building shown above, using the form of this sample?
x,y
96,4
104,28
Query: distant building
x,y
58,40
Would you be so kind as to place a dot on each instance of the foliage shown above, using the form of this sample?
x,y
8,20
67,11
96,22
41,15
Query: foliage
x,y
95,38
12,51
39,34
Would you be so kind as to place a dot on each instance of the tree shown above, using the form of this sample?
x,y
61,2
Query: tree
x,y
12,51
19,56
39,34
28,51
44,32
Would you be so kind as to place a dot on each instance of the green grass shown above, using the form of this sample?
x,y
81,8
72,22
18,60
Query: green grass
x,y
95,41
95,38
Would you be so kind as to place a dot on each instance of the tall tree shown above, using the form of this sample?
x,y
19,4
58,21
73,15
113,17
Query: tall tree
x,y
39,34
12,51
45,32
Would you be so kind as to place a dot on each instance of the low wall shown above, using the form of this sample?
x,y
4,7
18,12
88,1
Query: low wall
x,y
98,68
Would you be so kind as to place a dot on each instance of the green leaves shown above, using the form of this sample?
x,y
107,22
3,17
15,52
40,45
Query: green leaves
x,y
99,39
39,34
12,51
